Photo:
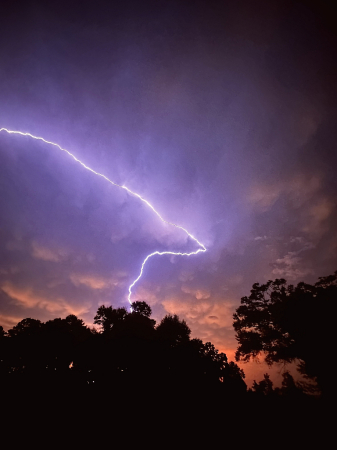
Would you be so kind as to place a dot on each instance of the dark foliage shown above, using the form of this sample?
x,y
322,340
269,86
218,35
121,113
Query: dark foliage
x,y
129,354
290,323
63,375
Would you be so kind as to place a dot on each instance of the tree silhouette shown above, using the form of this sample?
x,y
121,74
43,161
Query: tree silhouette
x,y
289,323
289,389
108,317
289,386
141,308
263,387
26,327
26,348
127,360
173,330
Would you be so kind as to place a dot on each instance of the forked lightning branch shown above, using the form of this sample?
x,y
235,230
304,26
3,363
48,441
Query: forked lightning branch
x,y
201,248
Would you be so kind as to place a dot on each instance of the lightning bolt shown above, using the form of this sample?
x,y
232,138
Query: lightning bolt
x,y
201,248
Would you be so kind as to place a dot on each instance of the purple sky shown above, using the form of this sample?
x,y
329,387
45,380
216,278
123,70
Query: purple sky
x,y
221,114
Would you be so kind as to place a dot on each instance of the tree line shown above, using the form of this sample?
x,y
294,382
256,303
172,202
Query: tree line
x,y
132,353
129,352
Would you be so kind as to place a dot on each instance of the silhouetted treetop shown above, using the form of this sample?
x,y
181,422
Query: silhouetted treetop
x,y
290,388
107,317
263,387
141,308
128,351
26,327
288,323
173,330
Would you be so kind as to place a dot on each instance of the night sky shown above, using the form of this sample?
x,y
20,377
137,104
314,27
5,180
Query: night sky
x,y
221,114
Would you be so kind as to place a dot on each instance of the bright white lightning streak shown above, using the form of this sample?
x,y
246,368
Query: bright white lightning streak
x,y
202,247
